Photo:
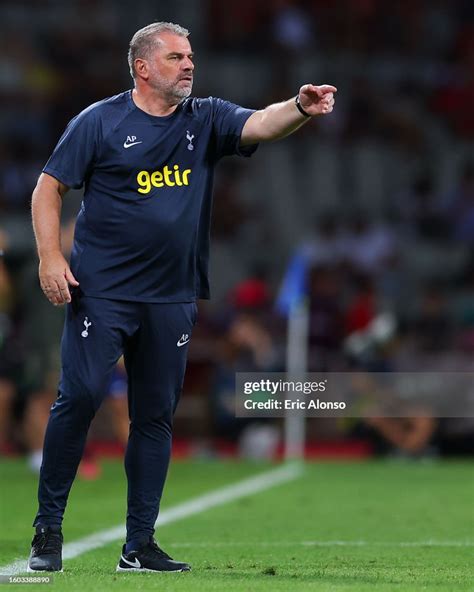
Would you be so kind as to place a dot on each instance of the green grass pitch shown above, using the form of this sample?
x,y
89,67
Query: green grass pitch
x,y
372,526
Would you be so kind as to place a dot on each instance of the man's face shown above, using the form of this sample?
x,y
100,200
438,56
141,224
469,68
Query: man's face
x,y
170,67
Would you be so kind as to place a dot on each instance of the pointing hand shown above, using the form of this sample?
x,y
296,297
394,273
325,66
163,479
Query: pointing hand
x,y
317,100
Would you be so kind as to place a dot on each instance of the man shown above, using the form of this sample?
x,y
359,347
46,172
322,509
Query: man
x,y
146,158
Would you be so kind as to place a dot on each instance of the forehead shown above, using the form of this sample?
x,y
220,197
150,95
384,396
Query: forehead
x,y
172,43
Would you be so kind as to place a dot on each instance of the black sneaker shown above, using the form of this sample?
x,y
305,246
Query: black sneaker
x,y
46,548
149,557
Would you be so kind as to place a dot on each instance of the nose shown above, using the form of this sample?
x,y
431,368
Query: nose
x,y
188,64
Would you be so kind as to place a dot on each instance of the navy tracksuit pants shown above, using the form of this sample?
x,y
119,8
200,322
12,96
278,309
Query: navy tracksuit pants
x,y
154,341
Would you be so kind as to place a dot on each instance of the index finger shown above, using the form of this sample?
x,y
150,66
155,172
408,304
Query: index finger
x,y
64,291
327,88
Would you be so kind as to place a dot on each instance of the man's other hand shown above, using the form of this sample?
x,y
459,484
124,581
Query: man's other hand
x,y
55,278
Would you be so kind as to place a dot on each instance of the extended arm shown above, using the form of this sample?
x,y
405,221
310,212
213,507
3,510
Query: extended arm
x,y
54,273
281,119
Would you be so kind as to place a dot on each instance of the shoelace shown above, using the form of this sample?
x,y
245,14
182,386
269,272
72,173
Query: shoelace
x,y
155,547
47,542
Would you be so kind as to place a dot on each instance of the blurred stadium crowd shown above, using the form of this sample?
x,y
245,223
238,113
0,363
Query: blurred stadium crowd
x,y
378,197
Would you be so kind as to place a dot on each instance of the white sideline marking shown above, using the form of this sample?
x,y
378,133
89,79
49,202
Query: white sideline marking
x,y
430,543
194,506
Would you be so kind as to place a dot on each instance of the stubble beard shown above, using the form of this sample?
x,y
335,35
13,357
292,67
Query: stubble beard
x,y
170,90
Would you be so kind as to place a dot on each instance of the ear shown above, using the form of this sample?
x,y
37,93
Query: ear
x,y
141,68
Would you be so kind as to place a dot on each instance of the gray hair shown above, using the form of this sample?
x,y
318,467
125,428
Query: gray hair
x,y
146,40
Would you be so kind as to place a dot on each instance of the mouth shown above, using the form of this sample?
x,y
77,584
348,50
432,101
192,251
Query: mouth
x,y
186,79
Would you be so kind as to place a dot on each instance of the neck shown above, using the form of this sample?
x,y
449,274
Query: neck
x,y
153,104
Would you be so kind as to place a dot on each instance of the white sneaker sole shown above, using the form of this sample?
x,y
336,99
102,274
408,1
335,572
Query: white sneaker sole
x,y
135,569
